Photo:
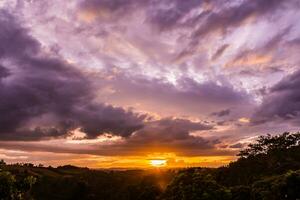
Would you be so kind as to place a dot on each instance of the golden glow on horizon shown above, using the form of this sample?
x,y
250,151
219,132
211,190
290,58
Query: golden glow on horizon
x,y
158,162
155,160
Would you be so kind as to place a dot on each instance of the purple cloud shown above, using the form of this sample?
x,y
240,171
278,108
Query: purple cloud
x,y
45,97
282,101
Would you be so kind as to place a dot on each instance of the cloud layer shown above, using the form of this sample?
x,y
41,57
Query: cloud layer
x,y
130,77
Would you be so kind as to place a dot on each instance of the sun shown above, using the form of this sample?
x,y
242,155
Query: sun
x,y
158,162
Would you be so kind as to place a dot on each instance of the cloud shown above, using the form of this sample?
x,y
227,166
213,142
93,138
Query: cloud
x,y
53,74
186,97
226,18
167,135
282,102
237,146
235,15
247,59
222,113
46,97
168,14
164,14
3,72
220,51
262,56
105,10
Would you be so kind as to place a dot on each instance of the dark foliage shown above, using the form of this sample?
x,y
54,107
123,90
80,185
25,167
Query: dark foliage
x,y
195,184
15,188
270,155
266,170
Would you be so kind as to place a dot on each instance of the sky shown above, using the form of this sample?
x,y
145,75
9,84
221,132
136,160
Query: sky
x,y
118,83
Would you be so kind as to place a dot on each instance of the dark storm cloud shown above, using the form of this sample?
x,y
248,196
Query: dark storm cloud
x,y
14,42
169,135
282,101
169,129
43,96
222,113
3,72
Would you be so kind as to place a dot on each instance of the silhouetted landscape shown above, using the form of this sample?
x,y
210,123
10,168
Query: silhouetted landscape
x,y
268,169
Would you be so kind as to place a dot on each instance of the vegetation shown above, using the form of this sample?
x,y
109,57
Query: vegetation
x,y
15,188
268,169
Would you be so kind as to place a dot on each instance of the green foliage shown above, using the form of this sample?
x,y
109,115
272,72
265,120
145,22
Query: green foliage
x,y
271,144
240,192
195,184
14,189
6,185
285,186
189,185
266,170
270,155
83,184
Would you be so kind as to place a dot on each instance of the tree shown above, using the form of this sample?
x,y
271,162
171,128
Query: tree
x,y
13,189
269,155
241,192
270,144
195,185
285,186
2,162
6,185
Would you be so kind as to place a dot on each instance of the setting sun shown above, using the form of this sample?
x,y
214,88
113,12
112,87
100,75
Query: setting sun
x,y
158,163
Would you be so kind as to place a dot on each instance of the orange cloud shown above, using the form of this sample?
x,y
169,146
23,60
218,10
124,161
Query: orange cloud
x,y
251,59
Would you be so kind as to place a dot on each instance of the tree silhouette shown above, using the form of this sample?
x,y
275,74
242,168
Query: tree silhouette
x,y
269,144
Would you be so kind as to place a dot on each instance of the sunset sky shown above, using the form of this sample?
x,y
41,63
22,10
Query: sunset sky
x,y
119,83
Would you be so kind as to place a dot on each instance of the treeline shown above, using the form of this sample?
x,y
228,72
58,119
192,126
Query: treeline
x,y
268,169
199,184
74,183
